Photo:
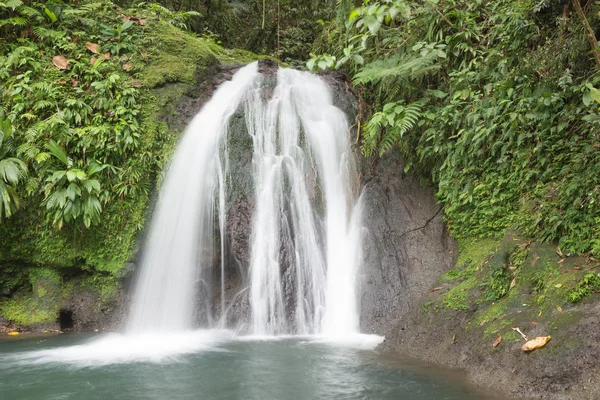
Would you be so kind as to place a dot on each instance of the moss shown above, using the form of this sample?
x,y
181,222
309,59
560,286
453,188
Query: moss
x,y
458,297
178,57
589,283
38,304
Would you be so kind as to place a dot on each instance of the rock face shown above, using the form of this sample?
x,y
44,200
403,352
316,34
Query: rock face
x,y
406,247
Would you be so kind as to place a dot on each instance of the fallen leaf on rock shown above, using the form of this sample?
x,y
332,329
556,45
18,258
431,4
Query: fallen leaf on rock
x,y
536,343
497,341
60,62
127,66
93,47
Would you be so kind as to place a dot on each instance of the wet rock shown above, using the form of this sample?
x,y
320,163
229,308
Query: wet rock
x,y
406,246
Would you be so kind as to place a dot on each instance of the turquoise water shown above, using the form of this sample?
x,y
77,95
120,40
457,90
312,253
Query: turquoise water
x,y
212,366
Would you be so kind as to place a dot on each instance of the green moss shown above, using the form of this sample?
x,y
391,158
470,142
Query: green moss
x,y
458,297
584,288
38,304
178,56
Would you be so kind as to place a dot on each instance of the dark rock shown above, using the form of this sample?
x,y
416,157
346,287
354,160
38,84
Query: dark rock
x,y
406,248
267,66
90,312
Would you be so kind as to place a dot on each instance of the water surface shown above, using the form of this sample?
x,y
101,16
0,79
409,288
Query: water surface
x,y
212,365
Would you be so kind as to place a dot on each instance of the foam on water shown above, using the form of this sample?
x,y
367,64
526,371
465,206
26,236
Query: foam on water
x,y
117,348
114,348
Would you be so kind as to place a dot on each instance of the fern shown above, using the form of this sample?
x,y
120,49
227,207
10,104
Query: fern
x,y
405,66
387,127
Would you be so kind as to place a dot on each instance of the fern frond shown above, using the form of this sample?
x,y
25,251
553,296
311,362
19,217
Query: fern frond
x,y
403,66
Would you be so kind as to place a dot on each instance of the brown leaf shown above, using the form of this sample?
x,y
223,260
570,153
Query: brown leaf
x,y
136,83
127,66
141,22
123,58
93,60
577,269
559,308
482,323
74,83
93,47
536,343
105,56
513,283
60,62
497,341
62,82
561,261
436,289
533,323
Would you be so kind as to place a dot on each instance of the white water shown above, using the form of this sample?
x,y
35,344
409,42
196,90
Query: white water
x,y
182,224
305,244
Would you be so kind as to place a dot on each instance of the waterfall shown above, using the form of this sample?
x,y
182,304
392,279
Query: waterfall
x,y
305,243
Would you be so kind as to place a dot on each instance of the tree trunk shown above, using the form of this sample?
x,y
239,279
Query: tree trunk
x,y
589,32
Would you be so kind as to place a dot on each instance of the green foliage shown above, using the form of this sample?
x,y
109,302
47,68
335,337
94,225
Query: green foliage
x,y
38,304
507,126
92,136
12,170
584,288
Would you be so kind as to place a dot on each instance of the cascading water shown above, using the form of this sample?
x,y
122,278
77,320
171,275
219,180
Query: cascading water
x,y
182,223
305,242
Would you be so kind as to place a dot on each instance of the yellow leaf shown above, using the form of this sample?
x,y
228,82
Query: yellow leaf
x,y
536,343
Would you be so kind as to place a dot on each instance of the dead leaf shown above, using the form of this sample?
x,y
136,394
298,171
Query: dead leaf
x,y
123,58
533,323
136,83
559,308
62,82
93,47
436,289
497,341
536,343
60,62
540,314
482,323
577,269
558,285
93,60
562,260
141,22
105,56
513,283
74,83
127,66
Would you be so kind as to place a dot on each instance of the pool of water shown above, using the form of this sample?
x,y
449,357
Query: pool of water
x,y
213,365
